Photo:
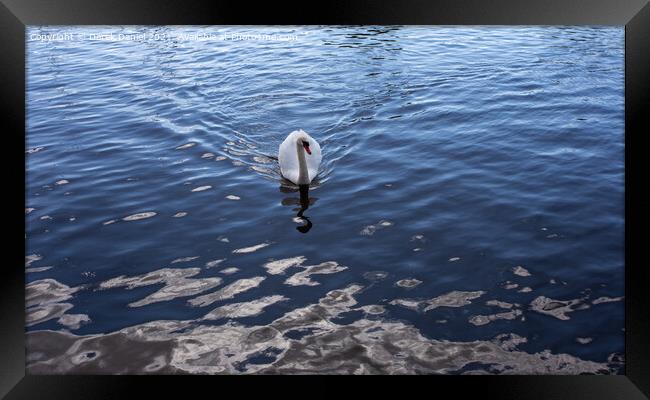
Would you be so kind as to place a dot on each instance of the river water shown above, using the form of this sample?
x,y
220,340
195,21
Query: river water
x,y
467,219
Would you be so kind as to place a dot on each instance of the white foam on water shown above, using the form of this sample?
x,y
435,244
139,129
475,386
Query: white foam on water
x,y
177,283
303,278
277,267
184,259
214,263
520,271
247,309
31,258
479,320
408,283
139,216
456,298
605,299
384,346
556,308
250,249
371,229
227,292
73,321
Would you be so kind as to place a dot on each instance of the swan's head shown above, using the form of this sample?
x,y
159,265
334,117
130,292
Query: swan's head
x,y
303,139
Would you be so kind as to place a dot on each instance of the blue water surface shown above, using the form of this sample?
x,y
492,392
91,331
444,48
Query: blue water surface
x,y
468,217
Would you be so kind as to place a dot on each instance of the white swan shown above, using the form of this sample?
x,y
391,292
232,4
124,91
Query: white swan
x,y
299,157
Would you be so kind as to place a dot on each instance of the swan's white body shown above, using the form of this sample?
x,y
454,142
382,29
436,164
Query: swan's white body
x,y
295,163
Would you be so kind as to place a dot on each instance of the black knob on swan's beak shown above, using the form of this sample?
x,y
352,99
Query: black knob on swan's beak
x,y
305,144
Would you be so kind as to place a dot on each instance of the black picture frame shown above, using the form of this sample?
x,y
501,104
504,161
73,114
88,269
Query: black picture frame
x,y
15,15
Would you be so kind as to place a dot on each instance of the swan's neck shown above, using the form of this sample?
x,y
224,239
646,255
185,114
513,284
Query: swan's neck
x,y
303,175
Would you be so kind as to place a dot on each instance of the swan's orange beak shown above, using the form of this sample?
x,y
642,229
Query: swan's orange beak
x,y
306,146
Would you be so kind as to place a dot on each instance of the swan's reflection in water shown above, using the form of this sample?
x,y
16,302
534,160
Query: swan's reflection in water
x,y
303,202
